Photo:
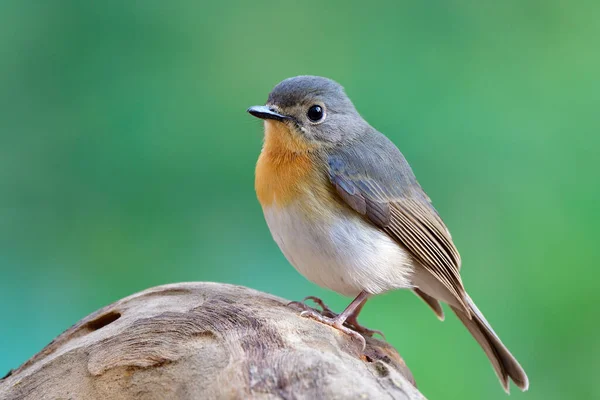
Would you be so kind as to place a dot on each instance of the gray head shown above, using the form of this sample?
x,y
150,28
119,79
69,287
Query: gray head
x,y
315,109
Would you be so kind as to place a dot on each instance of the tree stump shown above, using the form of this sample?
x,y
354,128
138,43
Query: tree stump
x,y
208,341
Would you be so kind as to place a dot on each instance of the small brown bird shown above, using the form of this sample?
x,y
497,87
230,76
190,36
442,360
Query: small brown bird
x,y
345,208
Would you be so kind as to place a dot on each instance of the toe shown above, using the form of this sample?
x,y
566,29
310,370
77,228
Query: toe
x,y
353,333
298,304
325,309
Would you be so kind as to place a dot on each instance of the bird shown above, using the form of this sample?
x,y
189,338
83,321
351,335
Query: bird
x,y
344,207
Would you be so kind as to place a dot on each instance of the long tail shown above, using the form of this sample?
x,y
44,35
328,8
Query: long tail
x,y
504,363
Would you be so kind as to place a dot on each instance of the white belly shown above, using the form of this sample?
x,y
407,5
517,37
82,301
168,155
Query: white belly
x,y
345,253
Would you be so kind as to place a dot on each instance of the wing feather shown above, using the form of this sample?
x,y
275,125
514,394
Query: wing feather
x,y
401,209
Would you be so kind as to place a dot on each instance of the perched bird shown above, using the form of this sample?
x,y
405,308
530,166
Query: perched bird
x,y
344,206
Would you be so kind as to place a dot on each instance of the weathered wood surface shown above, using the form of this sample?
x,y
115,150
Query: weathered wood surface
x,y
208,341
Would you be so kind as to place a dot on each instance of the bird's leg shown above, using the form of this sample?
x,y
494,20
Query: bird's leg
x,y
338,321
352,321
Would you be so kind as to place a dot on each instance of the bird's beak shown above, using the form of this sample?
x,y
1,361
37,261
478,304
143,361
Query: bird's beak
x,y
264,112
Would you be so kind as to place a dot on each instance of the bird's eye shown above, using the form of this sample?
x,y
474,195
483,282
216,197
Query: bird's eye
x,y
315,113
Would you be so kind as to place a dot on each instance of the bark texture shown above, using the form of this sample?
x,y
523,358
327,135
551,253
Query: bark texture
x,y
208,341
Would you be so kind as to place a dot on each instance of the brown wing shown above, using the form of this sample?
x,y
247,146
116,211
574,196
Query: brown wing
x,y
407,216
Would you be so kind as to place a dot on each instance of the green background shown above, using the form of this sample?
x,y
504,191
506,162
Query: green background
x,y
127,161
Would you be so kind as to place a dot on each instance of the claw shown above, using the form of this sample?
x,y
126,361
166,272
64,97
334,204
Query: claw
x,y
317,300
365,331
297,303
372,332
335,323
326,316
325,310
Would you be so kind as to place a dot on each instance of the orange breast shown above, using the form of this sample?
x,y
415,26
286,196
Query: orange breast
x,y
285,167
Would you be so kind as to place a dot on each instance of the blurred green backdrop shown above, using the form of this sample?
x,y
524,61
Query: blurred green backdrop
x,y
126,161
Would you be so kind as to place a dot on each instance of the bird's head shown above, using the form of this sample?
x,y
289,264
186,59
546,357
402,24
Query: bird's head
x,y
313,112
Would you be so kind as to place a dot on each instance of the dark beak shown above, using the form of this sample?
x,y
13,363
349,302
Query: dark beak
x,y
264,112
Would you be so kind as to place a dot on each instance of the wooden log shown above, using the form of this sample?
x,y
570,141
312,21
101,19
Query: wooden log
x,y
208,341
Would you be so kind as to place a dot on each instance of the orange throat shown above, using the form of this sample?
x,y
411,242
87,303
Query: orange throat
x,y
284,167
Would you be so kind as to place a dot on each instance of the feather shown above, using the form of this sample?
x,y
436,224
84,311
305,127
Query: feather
x,y
388,194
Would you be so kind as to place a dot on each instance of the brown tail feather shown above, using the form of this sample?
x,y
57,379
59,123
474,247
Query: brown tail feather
x,y
432,302
504,363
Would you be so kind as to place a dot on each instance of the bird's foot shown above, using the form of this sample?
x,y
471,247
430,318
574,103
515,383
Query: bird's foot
x,y
352,322
325,310
336,323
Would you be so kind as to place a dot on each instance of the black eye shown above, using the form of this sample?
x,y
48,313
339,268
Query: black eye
x,y
315,113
